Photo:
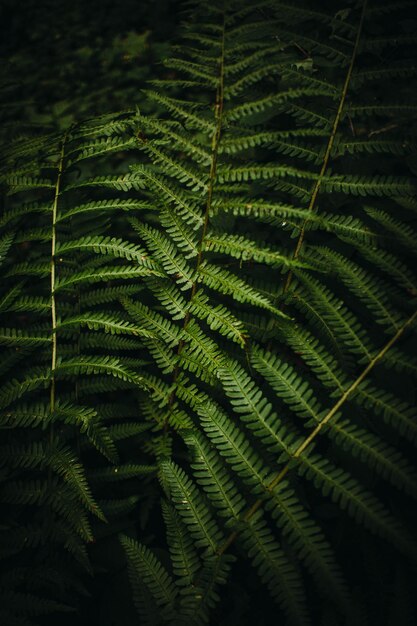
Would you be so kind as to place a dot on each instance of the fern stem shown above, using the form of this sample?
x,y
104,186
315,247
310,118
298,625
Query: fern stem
x,y
218,112
329,147
218,109
78,346
314,433
54,338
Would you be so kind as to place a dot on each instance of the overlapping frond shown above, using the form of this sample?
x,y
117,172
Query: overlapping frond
x,y
62,331
254,334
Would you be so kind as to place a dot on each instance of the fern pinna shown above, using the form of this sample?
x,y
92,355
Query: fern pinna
x,y
270,310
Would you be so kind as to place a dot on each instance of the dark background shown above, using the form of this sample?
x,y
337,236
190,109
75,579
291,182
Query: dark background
x,y
65,61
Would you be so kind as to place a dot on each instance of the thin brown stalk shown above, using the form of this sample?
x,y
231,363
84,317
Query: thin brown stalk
x,y
328,417
53,276
316,189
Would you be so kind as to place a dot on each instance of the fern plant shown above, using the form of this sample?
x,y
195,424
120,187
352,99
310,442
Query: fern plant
x,y
269,307
68,351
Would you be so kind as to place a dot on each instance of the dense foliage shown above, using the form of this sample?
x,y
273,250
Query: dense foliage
x,y
208,313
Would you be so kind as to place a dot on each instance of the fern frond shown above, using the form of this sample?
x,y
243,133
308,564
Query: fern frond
x,y
373,146
180,232
104,273
402,232
399,414
120,473
16,184
146,571
62,462
184,174
175,134
289,386
313,44
126,430
308,540
99,147
275,569
392,266
155,323
211,474
361,186
103,321
106,246
87,420
366,287
218,317
197,294
108,294
254,408
228,283
382,458
350,496
242,248
309,349
167,254
116,508
121,182
181,109
240,112
234,446
98,365
191,507
185,560
15,388
171,194
193,70
127,204
342,323
13,337
201,354
396,360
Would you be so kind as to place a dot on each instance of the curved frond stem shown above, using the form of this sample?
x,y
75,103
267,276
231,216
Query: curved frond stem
x,y
326,419
215,144
54,338
329,147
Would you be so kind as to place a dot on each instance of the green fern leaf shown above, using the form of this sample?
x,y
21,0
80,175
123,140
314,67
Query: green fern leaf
x,y
191,507
145,570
